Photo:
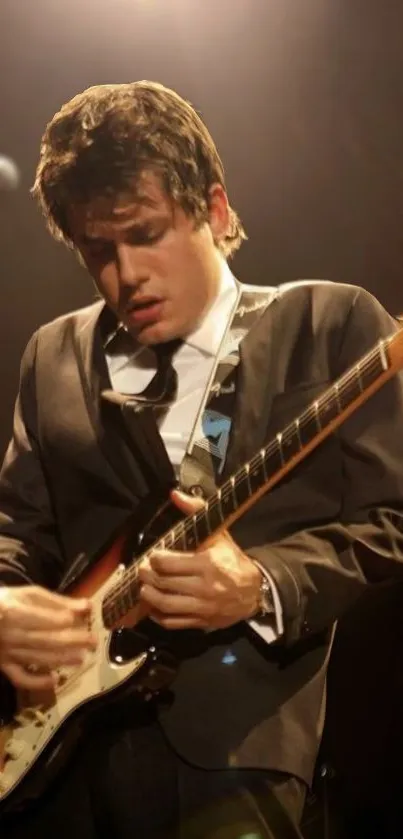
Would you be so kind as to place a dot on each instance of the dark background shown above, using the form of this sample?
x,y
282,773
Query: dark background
x,y
305,101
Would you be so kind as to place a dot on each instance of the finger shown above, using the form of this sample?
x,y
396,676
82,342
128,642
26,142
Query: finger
x,y
187,503
37,640
21,678
45,658
53,600
176,564
190,585
178,622
173,604
28,617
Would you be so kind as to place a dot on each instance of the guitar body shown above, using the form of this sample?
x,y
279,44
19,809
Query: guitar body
x,y
39,730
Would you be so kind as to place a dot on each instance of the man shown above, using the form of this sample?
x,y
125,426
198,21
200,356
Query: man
x,y
130,178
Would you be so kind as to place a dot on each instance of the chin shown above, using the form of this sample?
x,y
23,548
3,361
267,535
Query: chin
x,y
156,333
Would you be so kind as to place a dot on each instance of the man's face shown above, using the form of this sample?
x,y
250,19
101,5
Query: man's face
x,y
154,268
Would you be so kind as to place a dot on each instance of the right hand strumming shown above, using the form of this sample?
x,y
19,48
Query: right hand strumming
x,y
40,631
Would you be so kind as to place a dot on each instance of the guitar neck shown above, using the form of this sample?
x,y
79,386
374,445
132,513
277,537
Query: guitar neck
x,y
270,464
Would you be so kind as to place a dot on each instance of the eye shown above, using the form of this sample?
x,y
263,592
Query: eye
x,y
99,250
147,236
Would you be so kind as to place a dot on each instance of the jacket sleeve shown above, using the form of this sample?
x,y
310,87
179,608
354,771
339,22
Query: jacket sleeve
x,y
319,572
29,546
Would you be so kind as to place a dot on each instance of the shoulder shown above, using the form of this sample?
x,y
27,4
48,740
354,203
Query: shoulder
x,y
328,302
315,290
51,336
341,294
79,319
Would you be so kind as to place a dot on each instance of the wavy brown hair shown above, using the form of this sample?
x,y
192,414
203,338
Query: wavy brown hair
x,y
101,141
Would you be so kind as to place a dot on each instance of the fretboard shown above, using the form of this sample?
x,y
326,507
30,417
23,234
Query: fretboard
x,y
236,494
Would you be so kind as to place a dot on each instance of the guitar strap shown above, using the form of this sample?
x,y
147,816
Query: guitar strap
x,y
206,451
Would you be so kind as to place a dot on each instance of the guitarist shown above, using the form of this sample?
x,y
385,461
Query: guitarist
x,y
130,178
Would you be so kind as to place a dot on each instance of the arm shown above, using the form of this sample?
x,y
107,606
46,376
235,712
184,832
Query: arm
x,y
29,545
38,628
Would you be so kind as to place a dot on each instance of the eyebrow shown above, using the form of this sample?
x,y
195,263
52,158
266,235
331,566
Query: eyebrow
x,y
135,226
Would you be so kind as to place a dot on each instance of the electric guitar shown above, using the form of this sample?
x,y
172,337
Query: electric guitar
x,y
37,731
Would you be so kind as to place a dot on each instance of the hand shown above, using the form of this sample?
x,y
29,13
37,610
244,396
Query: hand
x,y
211,589
41,630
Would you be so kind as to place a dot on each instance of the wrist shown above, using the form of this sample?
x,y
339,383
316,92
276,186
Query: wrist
x,y
264,596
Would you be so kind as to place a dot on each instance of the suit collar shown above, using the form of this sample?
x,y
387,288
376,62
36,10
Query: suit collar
x,y
254,395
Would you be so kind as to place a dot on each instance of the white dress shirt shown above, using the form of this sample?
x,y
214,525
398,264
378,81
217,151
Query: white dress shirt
x,y
193,362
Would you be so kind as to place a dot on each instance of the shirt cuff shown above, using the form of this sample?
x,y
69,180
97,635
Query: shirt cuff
x,y
271,627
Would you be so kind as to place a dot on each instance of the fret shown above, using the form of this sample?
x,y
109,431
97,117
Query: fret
x,y
179,541
383,355
370,369
241,488
191,533
213,514
273,457
219,501
257,475
349,389
307,426
359,377
110,615
134,584
202,525
368,373
183,536
262,455
290,442
247,471
232,483
298,433
317,416
126,601
279,438
227,500
328,407
337,395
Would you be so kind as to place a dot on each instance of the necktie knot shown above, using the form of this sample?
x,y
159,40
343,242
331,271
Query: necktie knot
x,y
163,388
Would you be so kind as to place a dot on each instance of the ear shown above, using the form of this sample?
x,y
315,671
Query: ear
x,y
218,211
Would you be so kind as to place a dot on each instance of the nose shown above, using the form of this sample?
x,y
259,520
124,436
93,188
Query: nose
x,y
126,265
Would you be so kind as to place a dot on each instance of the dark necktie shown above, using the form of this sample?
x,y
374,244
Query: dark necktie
x,y
163,388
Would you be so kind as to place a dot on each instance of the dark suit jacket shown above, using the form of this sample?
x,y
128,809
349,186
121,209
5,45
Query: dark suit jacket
x,y
70,479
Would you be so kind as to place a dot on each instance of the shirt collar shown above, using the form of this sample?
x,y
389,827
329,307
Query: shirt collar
x,y
208,334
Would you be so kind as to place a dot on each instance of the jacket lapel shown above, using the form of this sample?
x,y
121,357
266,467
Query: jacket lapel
x,y
254,394
131,459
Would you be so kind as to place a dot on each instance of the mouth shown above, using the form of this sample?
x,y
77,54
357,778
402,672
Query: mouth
x,y
141,303
144,309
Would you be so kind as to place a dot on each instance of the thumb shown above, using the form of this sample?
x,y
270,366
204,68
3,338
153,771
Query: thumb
x,y
186,503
